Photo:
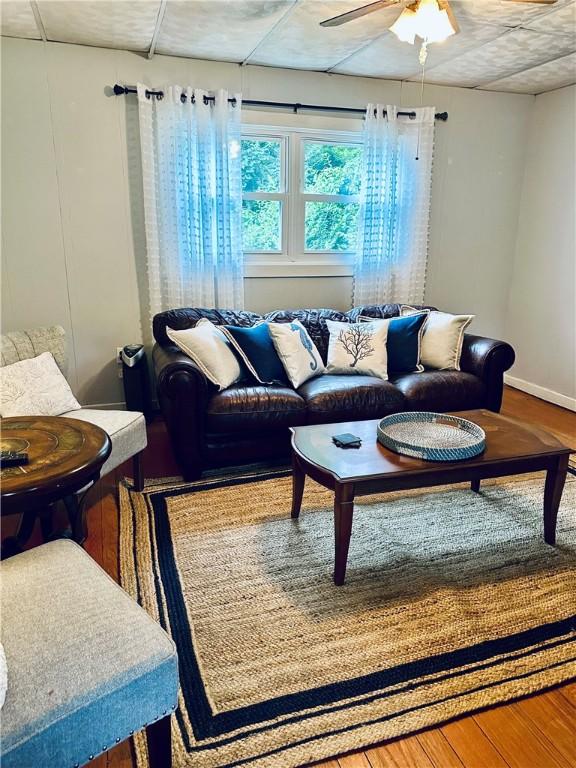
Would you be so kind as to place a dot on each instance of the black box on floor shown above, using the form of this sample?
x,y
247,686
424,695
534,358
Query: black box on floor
x,y
136,379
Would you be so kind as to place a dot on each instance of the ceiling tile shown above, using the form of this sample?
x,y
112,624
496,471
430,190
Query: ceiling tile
x,y
128,25
17,20
218,29
505,13
560,21
388,57
300,42
546,77
510,53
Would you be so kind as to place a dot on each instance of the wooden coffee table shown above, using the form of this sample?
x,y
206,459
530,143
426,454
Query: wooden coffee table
x,y
512,447
66,456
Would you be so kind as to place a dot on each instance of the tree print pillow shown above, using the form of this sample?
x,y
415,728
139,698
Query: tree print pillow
x,y
358,348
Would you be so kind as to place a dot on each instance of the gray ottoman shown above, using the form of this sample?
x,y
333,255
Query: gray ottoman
x,y
87,666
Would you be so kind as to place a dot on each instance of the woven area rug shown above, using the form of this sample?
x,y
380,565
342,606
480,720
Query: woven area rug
x,y
452,603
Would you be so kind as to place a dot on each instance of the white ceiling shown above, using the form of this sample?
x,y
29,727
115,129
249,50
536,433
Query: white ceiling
x,y
503,45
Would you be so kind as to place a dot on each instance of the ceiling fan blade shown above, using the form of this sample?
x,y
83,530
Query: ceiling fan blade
x,y
344,18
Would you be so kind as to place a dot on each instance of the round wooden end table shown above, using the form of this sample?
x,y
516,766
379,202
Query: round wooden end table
x,y
65,456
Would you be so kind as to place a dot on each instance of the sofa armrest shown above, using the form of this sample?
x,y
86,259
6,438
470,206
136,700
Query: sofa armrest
x,y
175,371
488,359
183,394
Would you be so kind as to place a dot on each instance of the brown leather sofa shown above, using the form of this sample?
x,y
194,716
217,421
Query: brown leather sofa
x,y
249,422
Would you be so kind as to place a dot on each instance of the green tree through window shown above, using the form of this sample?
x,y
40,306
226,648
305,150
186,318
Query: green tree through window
x,y
323,213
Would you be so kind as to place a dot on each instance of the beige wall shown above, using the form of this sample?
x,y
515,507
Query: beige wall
x,y
73,249
541,320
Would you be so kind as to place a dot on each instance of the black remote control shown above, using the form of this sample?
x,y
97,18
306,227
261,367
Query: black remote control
x,y
13,458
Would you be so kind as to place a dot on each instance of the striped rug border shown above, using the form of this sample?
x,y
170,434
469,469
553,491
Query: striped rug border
x,y
209,727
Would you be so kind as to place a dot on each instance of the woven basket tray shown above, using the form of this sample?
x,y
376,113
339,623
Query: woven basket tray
x,y
431,436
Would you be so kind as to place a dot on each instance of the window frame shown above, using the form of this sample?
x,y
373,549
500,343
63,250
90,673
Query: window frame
x,y
281,195
294,259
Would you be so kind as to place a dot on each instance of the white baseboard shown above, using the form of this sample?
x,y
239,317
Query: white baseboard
x,y
117,406
544,394
107,406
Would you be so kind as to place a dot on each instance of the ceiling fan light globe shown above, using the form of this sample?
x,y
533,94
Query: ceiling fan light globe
x,y
424,19
405,26
432,24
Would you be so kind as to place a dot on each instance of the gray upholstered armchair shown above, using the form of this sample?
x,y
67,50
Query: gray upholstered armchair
x,y
127,429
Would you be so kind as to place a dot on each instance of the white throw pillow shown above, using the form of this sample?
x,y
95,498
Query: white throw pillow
x,y
297,351
443,338
35,387
209,348
358,348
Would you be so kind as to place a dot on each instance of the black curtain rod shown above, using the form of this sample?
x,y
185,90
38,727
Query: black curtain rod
x,y
120,90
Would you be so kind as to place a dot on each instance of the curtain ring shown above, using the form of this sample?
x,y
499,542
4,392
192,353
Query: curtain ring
x,y
183,98
205,99
159,96
193,99
233,101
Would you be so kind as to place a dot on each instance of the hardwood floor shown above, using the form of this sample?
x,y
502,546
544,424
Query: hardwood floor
x,y
537,732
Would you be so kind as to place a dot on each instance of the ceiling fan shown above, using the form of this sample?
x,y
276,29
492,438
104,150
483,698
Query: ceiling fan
x,y
364,10
431,20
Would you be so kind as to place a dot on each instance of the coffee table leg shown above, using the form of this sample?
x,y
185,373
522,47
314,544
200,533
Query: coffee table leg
x,y
343,511
298,479
555,479
475,486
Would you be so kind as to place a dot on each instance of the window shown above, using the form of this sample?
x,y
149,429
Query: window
x,y
331,188
263,195
300,195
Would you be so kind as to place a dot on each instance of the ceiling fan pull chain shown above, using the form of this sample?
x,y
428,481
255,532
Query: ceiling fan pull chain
x,y
423,55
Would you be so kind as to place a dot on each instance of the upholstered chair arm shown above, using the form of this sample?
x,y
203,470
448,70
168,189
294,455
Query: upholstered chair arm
x,y
488,359
183,394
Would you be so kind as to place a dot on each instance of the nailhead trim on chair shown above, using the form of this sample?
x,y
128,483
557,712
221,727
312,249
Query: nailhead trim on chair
x,y
118,739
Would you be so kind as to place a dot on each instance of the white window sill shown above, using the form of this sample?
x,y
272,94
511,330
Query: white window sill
x,y
304,267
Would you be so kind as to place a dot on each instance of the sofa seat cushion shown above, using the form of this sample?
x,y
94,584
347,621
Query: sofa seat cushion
x,y
86,664
441,390
254,408
127,431
346,398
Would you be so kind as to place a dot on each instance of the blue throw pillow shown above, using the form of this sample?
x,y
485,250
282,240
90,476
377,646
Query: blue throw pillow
x,y
403,342
256,350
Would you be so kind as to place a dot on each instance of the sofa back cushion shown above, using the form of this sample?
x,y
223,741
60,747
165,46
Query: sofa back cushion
x,y
380,311
187,317
314,320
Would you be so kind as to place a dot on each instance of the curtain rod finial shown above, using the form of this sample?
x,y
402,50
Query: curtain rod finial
x,y
119,90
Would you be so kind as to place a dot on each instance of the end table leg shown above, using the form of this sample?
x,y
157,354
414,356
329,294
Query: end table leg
x,y
555,479
298,480
77,517
475,486
343,512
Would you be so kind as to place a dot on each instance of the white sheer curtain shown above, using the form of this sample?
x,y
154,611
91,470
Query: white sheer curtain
x,y
192,198
395,203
